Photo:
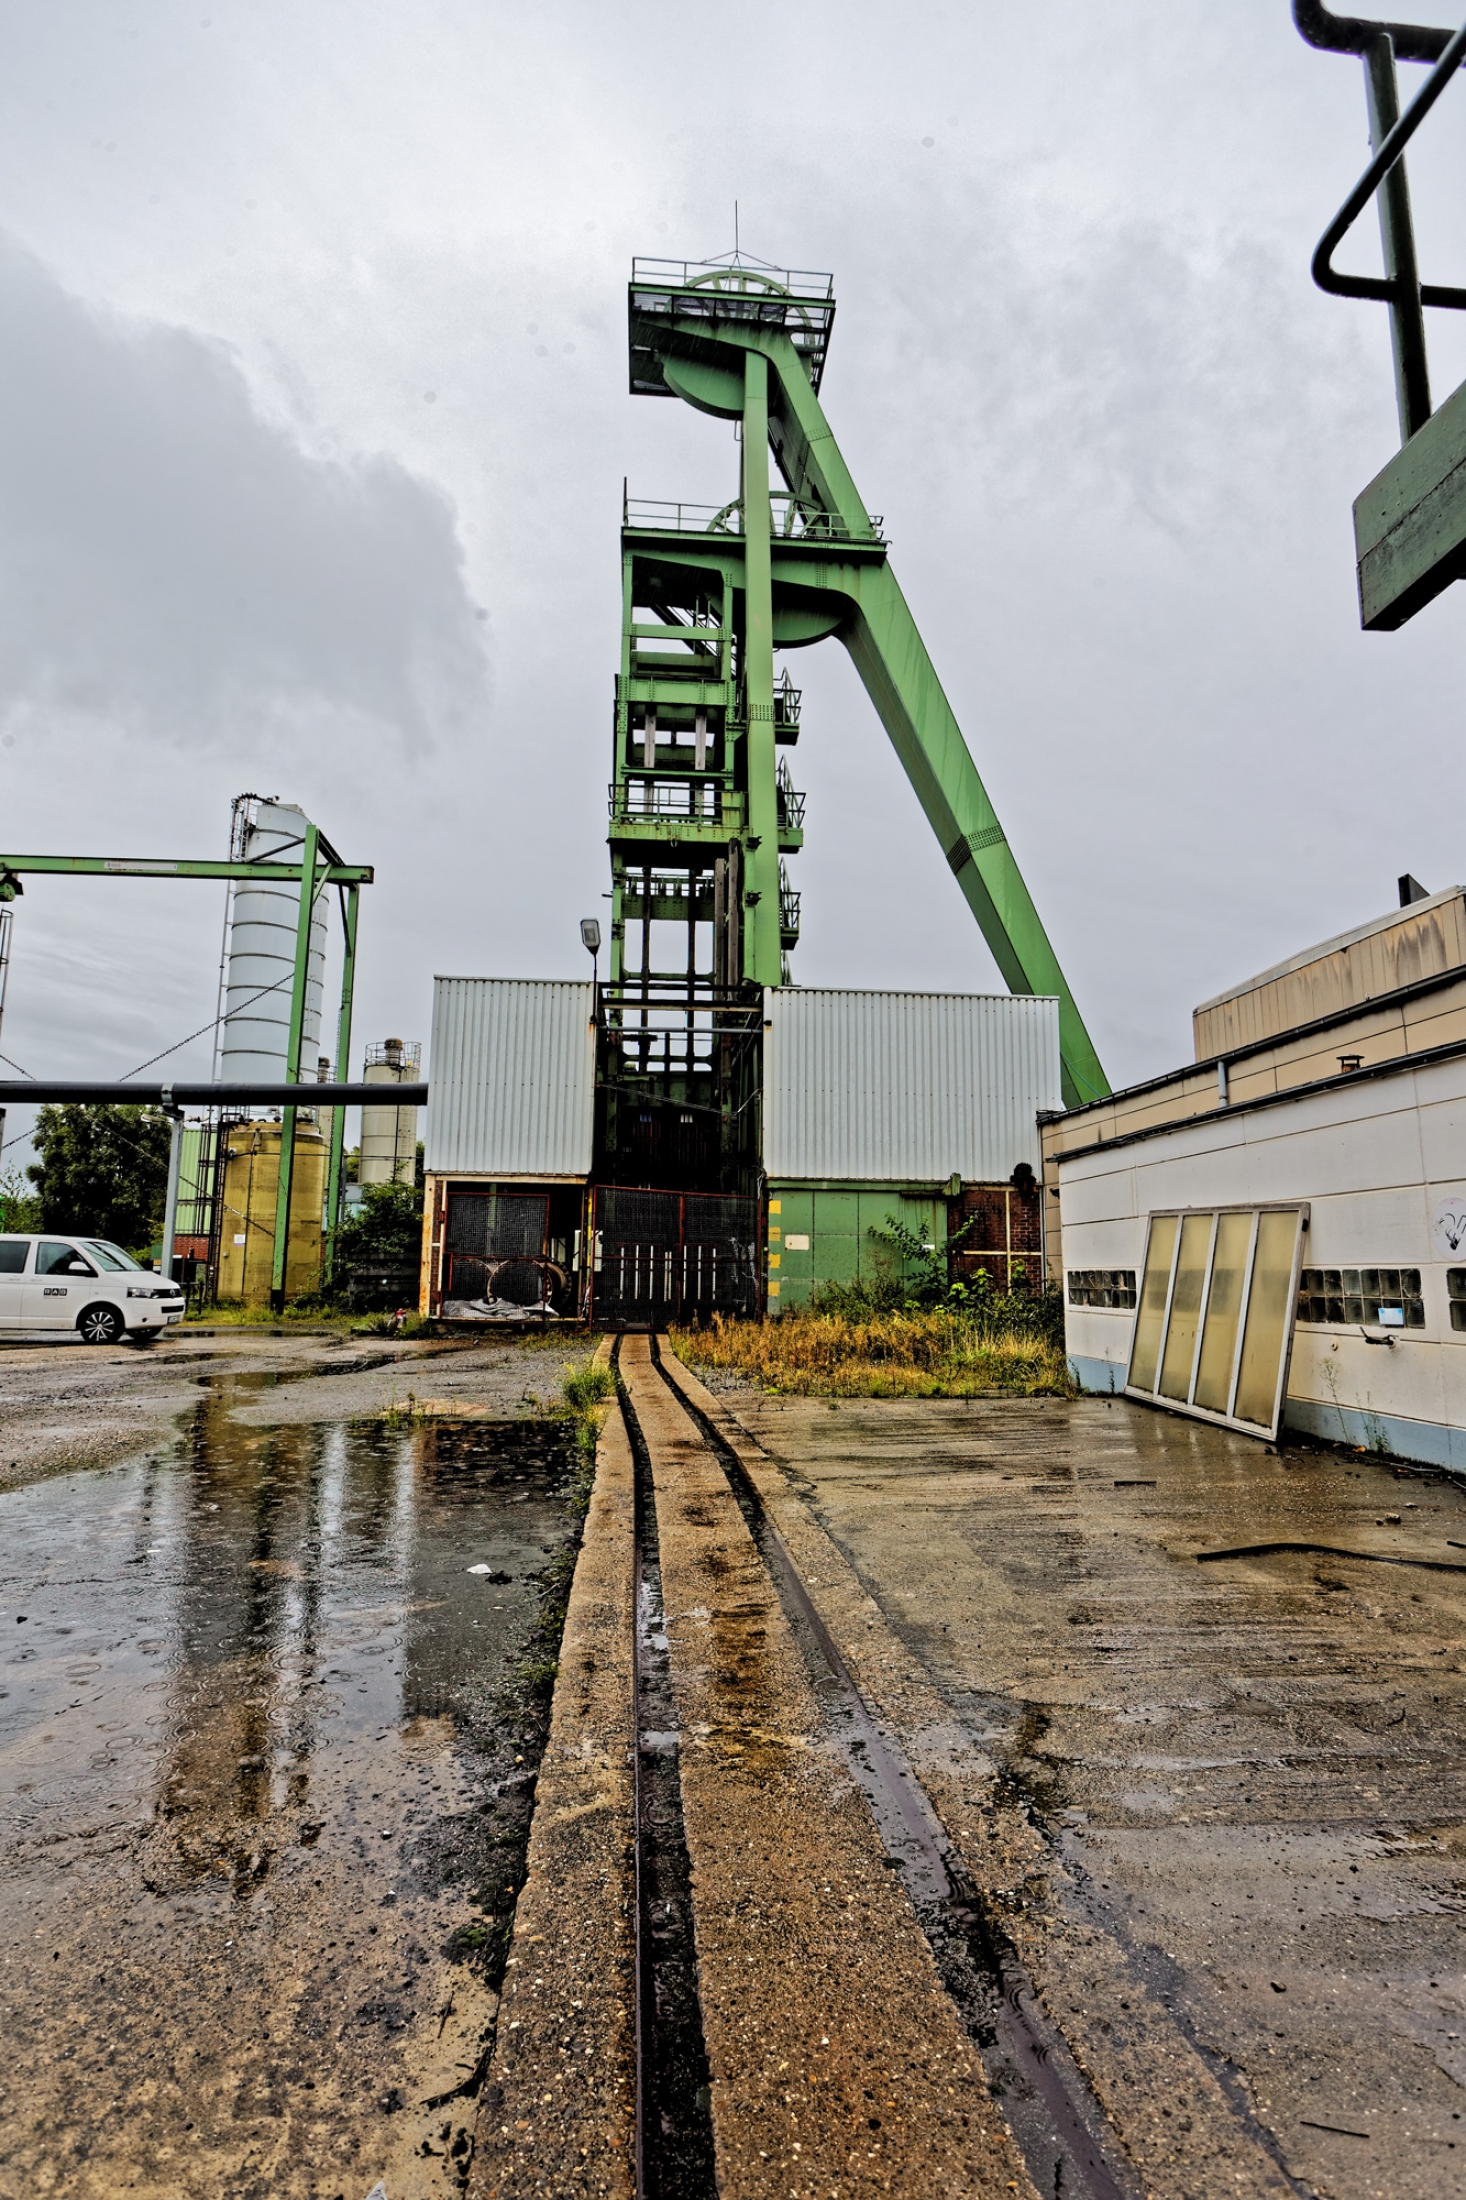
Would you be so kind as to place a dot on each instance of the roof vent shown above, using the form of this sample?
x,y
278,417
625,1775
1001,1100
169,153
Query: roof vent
x,y
1411,890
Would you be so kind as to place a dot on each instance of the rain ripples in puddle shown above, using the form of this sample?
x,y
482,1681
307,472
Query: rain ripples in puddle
x,y
263,1792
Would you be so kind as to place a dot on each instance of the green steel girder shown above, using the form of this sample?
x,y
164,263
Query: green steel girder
x,y
844,587
335,874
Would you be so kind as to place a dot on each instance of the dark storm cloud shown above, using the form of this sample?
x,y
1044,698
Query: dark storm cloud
x,y
172,561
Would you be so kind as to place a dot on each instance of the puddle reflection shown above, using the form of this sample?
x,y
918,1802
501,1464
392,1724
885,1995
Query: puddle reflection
x,y
202,1625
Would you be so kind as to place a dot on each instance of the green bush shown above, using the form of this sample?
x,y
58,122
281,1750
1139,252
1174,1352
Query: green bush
x,y
926,1285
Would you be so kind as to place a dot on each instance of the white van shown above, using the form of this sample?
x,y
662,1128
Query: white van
x,y
55,1282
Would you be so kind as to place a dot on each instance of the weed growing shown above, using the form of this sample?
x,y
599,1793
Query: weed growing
x,y
866,1354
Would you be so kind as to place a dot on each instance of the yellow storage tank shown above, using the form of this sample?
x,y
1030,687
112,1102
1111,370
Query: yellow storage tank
x,y
247,1226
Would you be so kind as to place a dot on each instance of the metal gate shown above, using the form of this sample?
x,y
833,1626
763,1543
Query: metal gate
x,y
495,1247
671,1256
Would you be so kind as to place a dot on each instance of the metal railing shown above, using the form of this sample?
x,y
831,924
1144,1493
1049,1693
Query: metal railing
x,y
1380,45
791,801
793,519
735,275
787,701
694,801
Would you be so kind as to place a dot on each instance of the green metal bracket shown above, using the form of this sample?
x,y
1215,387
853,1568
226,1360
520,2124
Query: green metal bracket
x,y
349,901
310,886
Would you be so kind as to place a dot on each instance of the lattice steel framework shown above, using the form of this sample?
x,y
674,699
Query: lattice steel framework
x,y
703,811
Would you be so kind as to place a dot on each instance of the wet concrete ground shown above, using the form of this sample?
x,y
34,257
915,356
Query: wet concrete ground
x,y
263,1742
1247,1772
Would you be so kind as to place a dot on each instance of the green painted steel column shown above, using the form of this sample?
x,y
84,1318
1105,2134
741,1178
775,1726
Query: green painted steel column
x,y
343,1070
762,959
292,1063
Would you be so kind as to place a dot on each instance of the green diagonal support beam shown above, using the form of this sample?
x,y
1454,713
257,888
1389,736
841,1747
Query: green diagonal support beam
x,y
834,578
310,886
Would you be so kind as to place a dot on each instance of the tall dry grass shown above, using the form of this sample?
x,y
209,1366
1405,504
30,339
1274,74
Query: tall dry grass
x,y
896,1355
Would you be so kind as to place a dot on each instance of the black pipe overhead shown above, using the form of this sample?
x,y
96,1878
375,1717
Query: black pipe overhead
x,y
1352,33
19,1090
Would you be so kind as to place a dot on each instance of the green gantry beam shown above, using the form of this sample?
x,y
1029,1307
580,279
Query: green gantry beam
x,y
317,869
336,874
746,345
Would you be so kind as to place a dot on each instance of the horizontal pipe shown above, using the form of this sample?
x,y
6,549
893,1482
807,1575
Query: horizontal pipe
x,y
19,1090
1352,33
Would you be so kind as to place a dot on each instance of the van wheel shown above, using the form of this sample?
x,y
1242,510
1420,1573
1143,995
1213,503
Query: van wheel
x,y
100,1325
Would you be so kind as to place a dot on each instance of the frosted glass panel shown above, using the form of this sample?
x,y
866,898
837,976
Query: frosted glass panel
x,y
1185,1308
1223,1306
1269,1310
1146,1350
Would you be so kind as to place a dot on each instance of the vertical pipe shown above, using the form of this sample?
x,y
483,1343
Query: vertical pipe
x,y
700,737
286,1177
1397,242
343,1057
170,1197
649,741
761,956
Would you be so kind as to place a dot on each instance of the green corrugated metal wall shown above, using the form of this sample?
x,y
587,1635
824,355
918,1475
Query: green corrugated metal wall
x,y
837,1219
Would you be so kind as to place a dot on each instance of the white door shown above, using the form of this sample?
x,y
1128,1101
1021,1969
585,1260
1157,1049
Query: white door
x,y
60,1283
14,1252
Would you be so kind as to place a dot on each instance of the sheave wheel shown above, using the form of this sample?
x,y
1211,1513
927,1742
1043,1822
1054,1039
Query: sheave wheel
x,y
101,1325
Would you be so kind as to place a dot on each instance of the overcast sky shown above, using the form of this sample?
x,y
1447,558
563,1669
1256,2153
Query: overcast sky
x,y
315,420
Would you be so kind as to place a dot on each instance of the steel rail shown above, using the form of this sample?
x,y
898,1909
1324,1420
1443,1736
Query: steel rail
x,y
1381,288
1067,2132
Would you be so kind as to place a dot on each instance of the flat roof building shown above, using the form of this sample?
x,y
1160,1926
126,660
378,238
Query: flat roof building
x,y
1306,1175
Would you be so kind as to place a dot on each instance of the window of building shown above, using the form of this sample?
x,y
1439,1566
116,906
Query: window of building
x,y
1386,1298
1215,1313
1456,1293
1102,1287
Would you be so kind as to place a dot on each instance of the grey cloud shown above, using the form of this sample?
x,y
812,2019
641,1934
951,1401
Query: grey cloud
x,y
173,561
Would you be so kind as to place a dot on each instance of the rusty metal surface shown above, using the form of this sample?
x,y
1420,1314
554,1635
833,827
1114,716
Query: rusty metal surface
x,y
838,2062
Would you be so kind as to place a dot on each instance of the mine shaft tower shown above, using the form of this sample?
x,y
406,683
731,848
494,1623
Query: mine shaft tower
x,y
703,810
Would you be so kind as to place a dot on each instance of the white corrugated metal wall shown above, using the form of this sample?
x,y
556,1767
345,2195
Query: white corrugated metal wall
x,y
512,1078
875,1087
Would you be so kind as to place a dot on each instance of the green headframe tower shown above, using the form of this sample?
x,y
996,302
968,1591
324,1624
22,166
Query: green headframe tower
x,y
704,816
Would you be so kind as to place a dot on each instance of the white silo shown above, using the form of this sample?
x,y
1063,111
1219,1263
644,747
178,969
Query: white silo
x,y
262,927
389,1135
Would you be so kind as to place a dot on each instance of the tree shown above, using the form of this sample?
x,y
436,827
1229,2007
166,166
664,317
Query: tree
x,y
20,1209
102,1172
383,1232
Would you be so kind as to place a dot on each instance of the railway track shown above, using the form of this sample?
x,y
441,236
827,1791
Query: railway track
x,y
748,1959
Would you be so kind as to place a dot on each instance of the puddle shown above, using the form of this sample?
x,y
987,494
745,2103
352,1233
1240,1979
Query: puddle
x,y
263,1790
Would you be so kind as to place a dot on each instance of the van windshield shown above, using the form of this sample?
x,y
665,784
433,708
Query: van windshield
x,y
110,1256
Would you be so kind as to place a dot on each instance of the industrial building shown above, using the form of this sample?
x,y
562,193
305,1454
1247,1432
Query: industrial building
x,y
1275,1234
869,1107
